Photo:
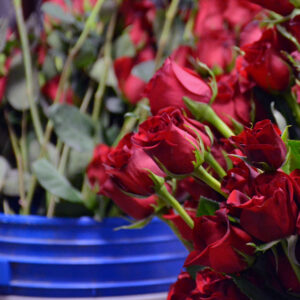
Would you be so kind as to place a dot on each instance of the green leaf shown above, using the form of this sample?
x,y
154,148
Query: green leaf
x,y
144,70
279,118
55,183
124,46
251,290
16,90
78,162
97,70
207,207
294,155
296,3
54,10
136,225
292,242
72,127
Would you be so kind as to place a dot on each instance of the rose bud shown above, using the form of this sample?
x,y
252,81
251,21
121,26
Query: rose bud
x,y
129,166
131,86
170,136
262,145
170,83
221,250
271,213
95,171
265,65
283,7
138,208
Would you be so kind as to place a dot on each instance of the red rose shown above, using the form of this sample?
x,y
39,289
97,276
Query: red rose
x,y
50,89
271,213
240,178
217,244
262,144
129,165
215,48
265,65
170,136
170,83
131,86
251,33
95,171
3,81
283,7
138,208
208,285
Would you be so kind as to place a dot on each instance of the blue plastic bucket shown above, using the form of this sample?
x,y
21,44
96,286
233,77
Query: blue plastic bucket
x,y
60,257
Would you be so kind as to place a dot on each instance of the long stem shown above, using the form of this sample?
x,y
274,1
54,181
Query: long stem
x,y
163,193
107,63
295,268
214,164
164,38
28,70
203,175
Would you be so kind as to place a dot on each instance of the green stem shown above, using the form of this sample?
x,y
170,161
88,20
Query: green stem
x,y
163,193
107,63
295,268
28,70
203,175
164,38
214,164
294,106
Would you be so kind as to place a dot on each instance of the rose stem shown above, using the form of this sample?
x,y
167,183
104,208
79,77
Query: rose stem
x,y
294,267
170,15
163,193
214,164
28,71
203,175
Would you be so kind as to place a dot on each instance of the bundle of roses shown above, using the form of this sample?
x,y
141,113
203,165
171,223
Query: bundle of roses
x,y
210,162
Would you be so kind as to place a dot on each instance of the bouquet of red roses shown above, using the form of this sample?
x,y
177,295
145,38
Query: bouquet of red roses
x,y
216,159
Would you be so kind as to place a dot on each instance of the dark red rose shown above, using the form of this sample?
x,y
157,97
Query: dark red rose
x,y
170,83
182,55
215,48
50,89
217,244
240,178
293,27
262,144
265,64
131,86
171,137
3,81
271,213
138,208
96,171
129,165
283,7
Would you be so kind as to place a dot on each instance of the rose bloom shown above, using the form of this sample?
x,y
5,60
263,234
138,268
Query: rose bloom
x,y
170,83
128,165
265,64
283,7
208,285
171,137
272,212
216,242
262,144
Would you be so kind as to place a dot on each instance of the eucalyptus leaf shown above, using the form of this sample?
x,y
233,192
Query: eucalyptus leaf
x,y
114,105
54,182
144,70
3,32
54,10
4,168
72,127
11,184
16,90
78,162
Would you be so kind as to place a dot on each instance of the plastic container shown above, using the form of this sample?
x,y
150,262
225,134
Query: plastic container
x,y
60,257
